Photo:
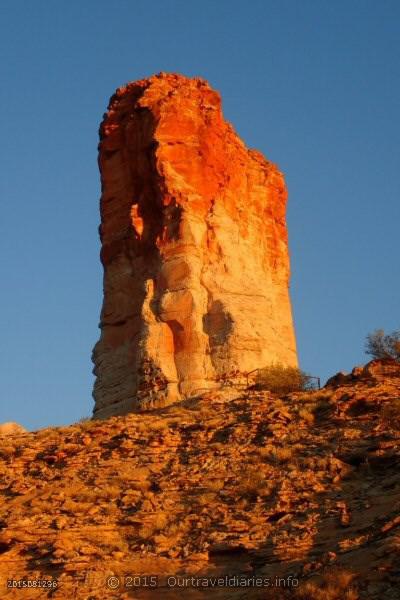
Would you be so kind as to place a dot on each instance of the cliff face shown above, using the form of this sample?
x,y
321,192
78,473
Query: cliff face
x,y
194,248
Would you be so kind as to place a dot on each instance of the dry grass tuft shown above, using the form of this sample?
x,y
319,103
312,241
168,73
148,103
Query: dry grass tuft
x,y
307,415
336,585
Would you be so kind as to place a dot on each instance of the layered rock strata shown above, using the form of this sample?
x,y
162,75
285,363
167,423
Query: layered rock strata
x,y
194,249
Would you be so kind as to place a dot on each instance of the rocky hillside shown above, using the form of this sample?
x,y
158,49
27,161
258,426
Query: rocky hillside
x,y
236,482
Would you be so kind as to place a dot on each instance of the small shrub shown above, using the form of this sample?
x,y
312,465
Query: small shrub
x,y
306,414
251,484
85,423
381,345
282,380
313,396
336,585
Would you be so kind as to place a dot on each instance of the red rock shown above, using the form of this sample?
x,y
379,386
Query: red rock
x,y
381,369
376,370
194,248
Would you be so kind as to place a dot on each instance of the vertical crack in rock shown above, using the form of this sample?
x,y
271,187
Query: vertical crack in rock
x,y
194,249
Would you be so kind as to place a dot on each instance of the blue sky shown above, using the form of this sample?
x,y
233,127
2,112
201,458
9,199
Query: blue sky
x,y
314,85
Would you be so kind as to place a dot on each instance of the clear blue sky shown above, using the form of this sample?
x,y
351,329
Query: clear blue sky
x,y
314,85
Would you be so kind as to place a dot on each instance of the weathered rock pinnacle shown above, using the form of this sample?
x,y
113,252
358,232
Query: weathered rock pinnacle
x,y
194,249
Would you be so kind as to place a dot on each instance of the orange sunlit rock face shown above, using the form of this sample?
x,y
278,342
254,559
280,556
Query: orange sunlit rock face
x,y
194,249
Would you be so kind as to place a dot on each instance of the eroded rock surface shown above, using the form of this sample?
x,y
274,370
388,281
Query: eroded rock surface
x,y
194,248
252,484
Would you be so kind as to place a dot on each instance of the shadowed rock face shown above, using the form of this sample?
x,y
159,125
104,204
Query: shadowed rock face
x,y
194,249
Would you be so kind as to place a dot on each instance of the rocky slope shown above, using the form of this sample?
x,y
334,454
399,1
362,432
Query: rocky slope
x,y
236,481
194,249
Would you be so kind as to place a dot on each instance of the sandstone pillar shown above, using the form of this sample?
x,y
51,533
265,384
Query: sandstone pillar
x,y
194,249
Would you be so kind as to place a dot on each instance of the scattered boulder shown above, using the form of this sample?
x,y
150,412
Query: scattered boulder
x,y
376,370
10,428
381,369
339,379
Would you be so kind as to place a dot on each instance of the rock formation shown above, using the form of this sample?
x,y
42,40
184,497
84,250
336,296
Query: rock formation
x,y
194,249
379,369
11,428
